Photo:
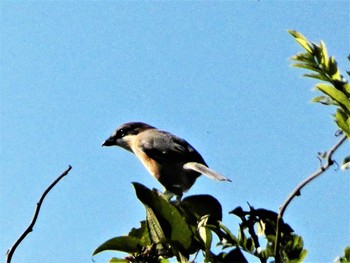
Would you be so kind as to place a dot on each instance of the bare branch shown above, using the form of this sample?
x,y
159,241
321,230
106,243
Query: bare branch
x,y
329,162
29,229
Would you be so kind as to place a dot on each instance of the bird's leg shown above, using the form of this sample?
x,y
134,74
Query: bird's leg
x,y
178,199
169,195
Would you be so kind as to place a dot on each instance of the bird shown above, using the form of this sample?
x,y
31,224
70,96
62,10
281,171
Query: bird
x,y
174,162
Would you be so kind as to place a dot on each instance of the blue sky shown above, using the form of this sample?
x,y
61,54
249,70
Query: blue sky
x,y
214,73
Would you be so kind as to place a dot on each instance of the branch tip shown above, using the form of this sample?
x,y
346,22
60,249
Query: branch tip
x,y
29,229
296,192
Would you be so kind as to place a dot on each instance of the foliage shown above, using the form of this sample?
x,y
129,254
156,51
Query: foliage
x,y
180,229
184,228
345,258
337,90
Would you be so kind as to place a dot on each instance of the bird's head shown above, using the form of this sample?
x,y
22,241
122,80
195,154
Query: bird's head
x,y
124,135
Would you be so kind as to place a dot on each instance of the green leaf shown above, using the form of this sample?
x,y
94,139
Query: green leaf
x,y
137,238
347,88
229,236
343,121
301,40
344,166
141,233
123,243
324,54
316,76
336,95
118,260
347,253
206,237
155,230
173,224
323,100
304,57
308,66
269,251
345,258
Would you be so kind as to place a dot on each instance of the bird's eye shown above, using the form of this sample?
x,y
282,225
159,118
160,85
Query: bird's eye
x,y
121,133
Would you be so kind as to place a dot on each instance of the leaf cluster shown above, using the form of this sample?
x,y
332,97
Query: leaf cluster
x,y
345,258
260,224
185,228
335,88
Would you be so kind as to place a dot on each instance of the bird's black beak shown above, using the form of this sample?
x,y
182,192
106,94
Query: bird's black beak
x,y
109,142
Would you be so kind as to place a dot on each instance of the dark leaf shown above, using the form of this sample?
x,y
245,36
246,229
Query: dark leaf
x,y
238,211
201,205
123,243
235,255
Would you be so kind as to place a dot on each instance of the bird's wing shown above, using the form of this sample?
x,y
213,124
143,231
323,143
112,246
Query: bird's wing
x,y
166,147
200,168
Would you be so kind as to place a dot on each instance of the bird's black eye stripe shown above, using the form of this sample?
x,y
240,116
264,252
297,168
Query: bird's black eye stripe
x,y
127,130
121,133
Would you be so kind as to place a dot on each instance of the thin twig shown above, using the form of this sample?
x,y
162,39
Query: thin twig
x,y
296,192
29,229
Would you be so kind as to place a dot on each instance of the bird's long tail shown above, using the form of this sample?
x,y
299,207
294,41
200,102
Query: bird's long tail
x,y
201,168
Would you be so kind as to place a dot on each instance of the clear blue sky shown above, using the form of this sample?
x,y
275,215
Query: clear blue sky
x,y
214,73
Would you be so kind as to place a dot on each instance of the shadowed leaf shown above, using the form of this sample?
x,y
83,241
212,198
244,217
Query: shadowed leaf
x,y
124,243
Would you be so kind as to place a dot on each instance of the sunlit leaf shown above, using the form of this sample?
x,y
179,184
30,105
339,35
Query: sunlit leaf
x,y
336,95
164,260
346,165
301,40
206,236
323,100
324,54
118,260
343,121
347,89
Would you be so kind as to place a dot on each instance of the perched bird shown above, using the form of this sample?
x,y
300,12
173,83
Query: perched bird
x,y
168,158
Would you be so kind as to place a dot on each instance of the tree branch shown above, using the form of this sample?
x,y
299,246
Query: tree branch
x,y
29,229
296,192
